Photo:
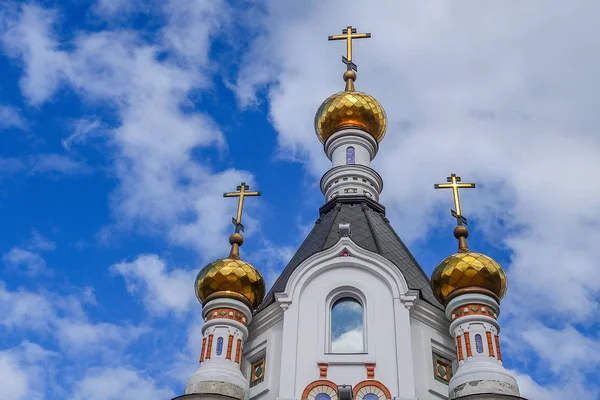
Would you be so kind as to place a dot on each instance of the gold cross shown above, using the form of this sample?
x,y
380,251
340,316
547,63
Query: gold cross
x,y
455,185
348,34
241,193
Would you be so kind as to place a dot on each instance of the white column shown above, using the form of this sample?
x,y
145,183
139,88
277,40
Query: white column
x,y
475,329
223,335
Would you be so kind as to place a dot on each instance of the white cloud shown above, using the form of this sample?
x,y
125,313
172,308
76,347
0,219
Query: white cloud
x,y
532,391
50,163
81,337
22,371
55,163
163,187
349,342
15,380
492,92
31,263
118,384
39,242
162,291
22,308
10,118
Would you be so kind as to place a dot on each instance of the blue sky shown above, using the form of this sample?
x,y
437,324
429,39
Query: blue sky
x,y
122,122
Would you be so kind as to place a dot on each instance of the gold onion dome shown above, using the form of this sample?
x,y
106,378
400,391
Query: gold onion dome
x,y
231,277
467,269
350,109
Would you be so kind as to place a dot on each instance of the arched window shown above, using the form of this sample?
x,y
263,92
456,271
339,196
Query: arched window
x,y
479,343
219,346
350,155
347,326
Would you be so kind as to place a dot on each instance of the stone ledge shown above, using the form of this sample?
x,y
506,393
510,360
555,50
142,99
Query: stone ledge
x,y
489,396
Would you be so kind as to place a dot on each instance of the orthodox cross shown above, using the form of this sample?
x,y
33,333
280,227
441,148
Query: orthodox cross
x,y
454,183
348,34
241,193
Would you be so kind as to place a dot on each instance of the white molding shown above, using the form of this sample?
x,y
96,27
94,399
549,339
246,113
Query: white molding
x,y
330,258
410,298
265,320
353,136
283,300
431,316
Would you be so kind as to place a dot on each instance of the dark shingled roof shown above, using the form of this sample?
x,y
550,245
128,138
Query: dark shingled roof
x,y
370,229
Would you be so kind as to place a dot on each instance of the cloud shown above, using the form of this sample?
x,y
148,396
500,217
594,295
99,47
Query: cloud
x,y
349,342
494,93
16,381
162,291
164,188
10,118
531,390
118,384
28,259
23,373
50,163
31,263
39,242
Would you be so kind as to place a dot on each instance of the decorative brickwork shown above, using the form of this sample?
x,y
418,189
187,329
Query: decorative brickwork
x,y
442,368
229,347
468,344
238,351
323,370
473,309
370,370
209,346
498,347
490,344
257,372
320,386
377,388
459,348
228,313
203,349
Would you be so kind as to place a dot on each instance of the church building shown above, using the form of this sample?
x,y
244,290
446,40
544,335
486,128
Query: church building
x,y
352,316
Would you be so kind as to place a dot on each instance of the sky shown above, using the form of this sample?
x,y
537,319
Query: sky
x,y
122,122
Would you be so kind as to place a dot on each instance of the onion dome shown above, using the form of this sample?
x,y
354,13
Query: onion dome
x,y
350,109
231,277
467,269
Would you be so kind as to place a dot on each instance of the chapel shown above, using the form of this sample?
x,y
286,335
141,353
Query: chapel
x,y
352,316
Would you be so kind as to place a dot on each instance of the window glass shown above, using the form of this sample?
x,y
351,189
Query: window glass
x,y
479,343
347,334
371,396
350,155
322,396
219,346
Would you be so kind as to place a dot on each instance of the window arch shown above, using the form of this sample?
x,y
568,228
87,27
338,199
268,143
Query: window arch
x,y
347,327
350,155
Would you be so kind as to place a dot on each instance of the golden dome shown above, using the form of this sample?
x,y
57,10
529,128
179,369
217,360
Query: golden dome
x,y
465,269
230,277
350,109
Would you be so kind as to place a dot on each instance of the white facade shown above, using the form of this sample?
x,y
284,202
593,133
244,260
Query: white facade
x,y
401,333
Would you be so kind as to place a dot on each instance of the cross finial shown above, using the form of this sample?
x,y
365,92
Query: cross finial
x,y
454,183
348,34
241,193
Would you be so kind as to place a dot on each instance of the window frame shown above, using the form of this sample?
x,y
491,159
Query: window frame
x,y
332,298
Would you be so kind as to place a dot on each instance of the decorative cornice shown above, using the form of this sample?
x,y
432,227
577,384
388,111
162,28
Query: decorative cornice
x,y
430,315
265,320
409,298
283,300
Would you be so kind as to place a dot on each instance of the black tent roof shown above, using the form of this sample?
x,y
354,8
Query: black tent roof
x,y
369,229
